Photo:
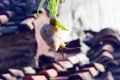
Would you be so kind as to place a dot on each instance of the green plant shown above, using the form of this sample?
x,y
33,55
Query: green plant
x,y
53,8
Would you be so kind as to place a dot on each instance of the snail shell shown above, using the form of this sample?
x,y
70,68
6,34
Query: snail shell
x,y
51,35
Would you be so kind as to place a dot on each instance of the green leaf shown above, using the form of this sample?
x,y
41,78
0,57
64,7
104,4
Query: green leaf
x,y
52,7
59,25
40,6
37,15
63,0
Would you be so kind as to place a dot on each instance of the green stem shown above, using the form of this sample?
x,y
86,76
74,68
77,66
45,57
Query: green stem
x,y
40,6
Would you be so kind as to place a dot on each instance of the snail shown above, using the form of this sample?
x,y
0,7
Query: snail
x,y
51,34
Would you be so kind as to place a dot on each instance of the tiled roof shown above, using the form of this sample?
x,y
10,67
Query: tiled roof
x,y
18,48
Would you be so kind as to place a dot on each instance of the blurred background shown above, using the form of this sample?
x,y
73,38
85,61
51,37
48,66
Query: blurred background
x,y
82,15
